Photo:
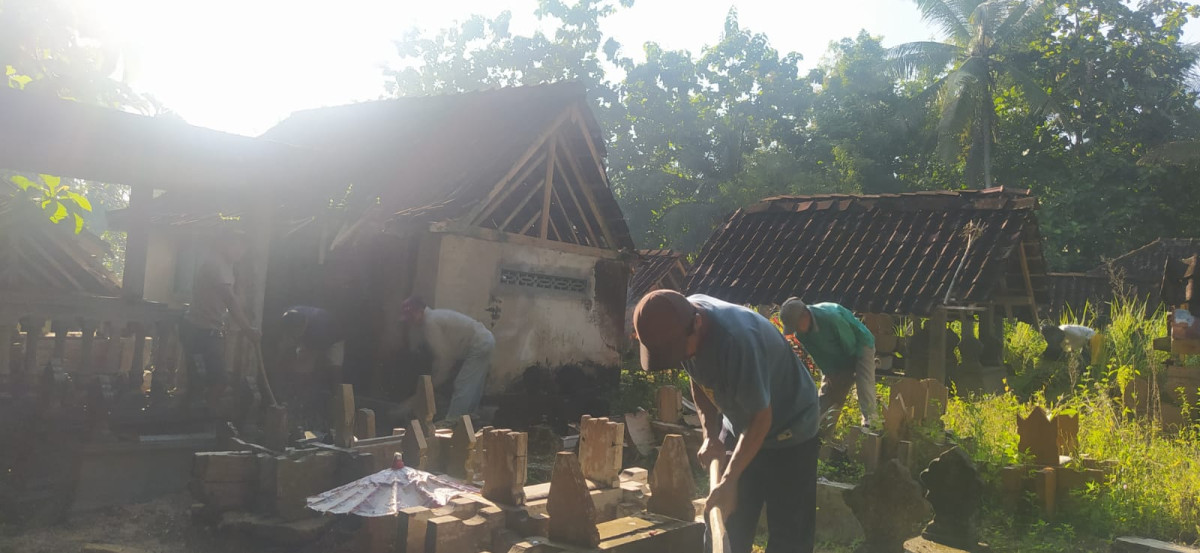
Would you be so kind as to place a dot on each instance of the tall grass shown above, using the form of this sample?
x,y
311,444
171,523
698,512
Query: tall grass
x,y
1154,487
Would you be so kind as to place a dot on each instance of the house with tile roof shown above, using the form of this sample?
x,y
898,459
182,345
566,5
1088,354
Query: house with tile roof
x,y
961,254
495,204
1138,273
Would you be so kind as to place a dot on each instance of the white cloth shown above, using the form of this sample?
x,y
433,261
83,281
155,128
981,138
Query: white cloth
x,y
212,278
450,337
1075,337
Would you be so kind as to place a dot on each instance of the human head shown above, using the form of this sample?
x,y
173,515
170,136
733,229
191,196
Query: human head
x,y
412,310
292,325
795,317
668,327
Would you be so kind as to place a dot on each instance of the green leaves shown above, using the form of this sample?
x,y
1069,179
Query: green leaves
x,y
56,200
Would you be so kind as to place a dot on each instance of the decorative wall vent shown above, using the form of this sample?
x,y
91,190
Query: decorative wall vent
x,y
543,281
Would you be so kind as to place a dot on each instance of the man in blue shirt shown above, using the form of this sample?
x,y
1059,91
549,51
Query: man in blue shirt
x,y
842,347
741,367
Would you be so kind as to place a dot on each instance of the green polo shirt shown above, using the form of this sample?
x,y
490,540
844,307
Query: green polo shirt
x,y
836,338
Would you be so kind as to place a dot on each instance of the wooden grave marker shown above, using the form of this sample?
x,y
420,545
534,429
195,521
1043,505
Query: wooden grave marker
x,y
672,486
505,466
601,448
572,513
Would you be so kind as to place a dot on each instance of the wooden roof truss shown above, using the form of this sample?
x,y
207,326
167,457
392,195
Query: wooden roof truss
x,y
549,193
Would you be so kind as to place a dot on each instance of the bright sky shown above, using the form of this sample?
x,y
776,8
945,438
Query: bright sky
x,y
243,65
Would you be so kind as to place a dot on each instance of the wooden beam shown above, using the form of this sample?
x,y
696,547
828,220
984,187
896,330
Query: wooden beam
x,y
524,201
587,192
529,224
493,235
1028,281
137,243
566,216
549,189
516,183
575,199
529,153
937,345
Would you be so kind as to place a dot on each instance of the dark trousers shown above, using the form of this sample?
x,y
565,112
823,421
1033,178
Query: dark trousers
x,y
785,480
204,350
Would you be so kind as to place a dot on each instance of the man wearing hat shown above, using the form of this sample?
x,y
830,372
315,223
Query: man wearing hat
x,y
842,347
455,341
743,371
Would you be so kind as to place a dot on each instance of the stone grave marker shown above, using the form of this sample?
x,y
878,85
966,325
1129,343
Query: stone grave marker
x,y
505,466
601,447
1068,434
955,490
460,457
670,405
915,394
341,415
572,513
672,486
1039,437
897,425
364,424
890,506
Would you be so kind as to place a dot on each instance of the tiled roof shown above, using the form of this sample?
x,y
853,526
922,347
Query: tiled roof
x,y
436,157
1143,267
889,253
657,269
1074,292
37,256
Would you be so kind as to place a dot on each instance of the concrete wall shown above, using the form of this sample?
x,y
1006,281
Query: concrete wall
x,y
532,326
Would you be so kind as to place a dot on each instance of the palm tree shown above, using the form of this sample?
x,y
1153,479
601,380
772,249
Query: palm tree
x,y
980,40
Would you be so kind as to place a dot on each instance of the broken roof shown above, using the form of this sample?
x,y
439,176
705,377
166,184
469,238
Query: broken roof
x,y
1074,292
657,269
1144,266
38,256
60,137
887,253
436,157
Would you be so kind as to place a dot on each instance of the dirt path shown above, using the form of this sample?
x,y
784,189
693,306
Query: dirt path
x,y
160,526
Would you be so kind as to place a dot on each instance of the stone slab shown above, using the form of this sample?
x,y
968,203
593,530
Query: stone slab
x,y
1130,544
836,523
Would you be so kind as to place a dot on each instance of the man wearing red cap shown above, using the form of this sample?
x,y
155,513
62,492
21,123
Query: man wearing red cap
x,y
745,376
455,340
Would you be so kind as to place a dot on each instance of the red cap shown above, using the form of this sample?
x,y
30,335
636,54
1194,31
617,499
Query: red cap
x,y
663,320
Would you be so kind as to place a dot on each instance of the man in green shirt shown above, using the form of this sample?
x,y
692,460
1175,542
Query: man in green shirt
x,y
842,347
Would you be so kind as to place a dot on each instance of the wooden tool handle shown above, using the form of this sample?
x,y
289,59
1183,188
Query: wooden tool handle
x,y
716,518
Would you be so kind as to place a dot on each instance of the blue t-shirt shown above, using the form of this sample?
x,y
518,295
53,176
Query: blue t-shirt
x,y
746,365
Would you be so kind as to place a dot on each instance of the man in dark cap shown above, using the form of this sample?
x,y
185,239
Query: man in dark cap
x,y
745,372
842,347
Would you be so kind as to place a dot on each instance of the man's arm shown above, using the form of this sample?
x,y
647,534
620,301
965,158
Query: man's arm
x,y
711,423
724,493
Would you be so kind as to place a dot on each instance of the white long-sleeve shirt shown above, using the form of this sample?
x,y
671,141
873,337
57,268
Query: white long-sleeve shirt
x,y
449,335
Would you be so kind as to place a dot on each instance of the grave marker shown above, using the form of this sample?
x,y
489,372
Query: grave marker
x,y
672,486
572,513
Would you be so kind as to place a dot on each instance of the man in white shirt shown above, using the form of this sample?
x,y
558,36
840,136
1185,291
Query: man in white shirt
x,y
1067,338
454,340
202,328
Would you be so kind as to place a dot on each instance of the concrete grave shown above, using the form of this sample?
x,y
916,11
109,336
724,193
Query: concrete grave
x,y
670,405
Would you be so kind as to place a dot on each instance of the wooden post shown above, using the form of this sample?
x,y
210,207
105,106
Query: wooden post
x,y
138,367
670,403
425,404
260,231
60,339
364,424
572,512
6,332
460,457
33,334
671,484
601,447
549,189
137,243
341,415
88,340
937,345
275,428
505,466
